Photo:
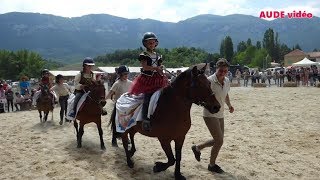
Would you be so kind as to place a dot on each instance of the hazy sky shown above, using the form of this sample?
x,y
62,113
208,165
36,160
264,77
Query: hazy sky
x,y
163,10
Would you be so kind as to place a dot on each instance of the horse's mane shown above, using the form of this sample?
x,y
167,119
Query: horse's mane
x,y
182,76
179,78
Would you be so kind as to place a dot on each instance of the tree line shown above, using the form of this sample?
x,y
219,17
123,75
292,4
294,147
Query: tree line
x,y
260,54
23,62
13,65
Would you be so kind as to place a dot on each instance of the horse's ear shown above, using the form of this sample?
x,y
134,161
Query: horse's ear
x,y
202,70
195,71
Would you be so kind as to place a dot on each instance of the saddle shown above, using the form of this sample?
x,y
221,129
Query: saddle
x,y
129,110
79,105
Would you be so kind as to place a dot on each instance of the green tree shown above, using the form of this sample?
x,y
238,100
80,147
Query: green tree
x,y
22,62
228,48
297,46
284,49
242,46
258,45
249,43
268,42
222,46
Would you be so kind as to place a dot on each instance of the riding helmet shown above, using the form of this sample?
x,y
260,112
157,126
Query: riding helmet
x,y
44,71
88,61
122,69
58,77
148,36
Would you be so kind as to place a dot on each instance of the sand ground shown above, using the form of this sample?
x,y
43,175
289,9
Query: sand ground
x,y
274,133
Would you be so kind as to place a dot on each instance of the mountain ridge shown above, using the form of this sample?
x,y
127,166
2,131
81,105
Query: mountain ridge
x,y
68,39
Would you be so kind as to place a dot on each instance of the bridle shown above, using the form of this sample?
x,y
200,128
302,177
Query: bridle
x,y
92,99
193,85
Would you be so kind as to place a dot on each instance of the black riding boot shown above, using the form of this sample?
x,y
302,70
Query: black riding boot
x,y
146,125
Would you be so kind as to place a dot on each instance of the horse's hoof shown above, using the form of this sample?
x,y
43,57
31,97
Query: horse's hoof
x,y
159,166
179,177
115,144
130,164
103,148
79,146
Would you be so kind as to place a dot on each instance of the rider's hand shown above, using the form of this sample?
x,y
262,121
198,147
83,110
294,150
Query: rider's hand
x,y
82,86
159,70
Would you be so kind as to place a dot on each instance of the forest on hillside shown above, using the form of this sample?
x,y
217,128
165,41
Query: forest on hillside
x,y
23,62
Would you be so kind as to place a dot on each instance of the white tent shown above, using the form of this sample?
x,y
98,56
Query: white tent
x,y
304,63
176,69
69,73
111,69
274,64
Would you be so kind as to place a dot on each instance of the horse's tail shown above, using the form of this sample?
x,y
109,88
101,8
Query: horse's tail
x,y
112,122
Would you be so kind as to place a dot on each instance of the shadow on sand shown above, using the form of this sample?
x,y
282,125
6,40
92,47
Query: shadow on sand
x,y
114,159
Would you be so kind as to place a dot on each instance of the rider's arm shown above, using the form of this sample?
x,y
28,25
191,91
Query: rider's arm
x,y
110,94
77,81
113,90
53,88
94,77
145,66
68,87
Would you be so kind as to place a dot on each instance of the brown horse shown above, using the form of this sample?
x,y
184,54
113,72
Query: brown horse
x,y
171,119
91,111
45,103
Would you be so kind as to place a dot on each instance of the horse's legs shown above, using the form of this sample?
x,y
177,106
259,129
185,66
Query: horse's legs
x,y
40,115
160,166
100,134
113,127
79,134
114,139
124,138
75,124
178,148
133,146
46,115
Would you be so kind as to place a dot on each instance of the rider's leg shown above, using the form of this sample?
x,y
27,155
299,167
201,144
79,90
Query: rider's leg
x,y
145,106
75,103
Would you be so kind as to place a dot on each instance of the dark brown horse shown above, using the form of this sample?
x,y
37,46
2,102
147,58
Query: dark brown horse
x,y
91,111
171,120
45,103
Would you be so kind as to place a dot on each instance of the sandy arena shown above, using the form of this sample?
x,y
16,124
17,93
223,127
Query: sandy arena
x,y
274,133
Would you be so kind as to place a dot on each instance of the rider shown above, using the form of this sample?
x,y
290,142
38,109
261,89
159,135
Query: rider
x,y
122,85
151,78
45,80
44,84
82,80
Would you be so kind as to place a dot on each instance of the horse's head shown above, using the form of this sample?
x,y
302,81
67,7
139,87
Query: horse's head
x,y
44,89
197,88
98,93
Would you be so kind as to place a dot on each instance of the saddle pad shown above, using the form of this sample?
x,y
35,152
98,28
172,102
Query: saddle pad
x,y
70,105
129,110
